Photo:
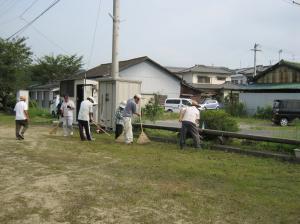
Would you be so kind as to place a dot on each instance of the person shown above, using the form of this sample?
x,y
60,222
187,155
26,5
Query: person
x,y
67,108
119,119
129,110
189,117
85,117
22,118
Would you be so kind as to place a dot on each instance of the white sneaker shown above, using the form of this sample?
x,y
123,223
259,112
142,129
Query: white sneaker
x,y
71,133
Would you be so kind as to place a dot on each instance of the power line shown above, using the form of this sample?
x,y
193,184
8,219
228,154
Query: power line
x,y
5,11
35,19
94,34
45,37
29,7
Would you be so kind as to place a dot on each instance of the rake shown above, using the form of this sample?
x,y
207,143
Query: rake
x,y
101,129
143,138
54,130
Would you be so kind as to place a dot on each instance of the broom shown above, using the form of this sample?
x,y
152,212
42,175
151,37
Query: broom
x,y
143,138
101,129
54,130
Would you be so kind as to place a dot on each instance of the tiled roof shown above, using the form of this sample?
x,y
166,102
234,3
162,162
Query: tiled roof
x,y
227,86
208,69
104,70
176,69
47,86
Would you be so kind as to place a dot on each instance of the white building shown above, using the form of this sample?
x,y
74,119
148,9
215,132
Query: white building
x,y
202,74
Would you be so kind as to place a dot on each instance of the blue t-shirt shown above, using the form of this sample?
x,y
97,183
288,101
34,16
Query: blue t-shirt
x,y
130,108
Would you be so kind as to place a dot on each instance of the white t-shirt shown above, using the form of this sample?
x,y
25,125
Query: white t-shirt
x,y
191,114
66,111
19,109
86,107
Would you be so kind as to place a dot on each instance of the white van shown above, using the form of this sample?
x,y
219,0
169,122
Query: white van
x,y
175,104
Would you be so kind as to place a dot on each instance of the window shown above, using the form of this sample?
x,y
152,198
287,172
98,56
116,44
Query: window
x,y
221,78
173,102
186,102
203,79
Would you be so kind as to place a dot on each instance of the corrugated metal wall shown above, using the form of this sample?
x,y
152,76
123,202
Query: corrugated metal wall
x,y
254,100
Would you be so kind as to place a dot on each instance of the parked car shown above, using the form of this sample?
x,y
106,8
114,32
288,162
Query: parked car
x,y
176,104
209,104
285,111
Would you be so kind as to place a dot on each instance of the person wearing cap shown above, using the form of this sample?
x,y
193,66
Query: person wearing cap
x,y
85,116
67,108
189,117
129,111
22,118
119,119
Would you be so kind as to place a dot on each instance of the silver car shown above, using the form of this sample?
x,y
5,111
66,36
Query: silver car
x,y
209,104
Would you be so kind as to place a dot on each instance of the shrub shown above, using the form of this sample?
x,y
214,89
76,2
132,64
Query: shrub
x,y
236,109
153,110
33,104
218,120
264,112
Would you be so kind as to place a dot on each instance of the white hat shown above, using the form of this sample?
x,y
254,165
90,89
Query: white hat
x,y
91,98
123,104
138,96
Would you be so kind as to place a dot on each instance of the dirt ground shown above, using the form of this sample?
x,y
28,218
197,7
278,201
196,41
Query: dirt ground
x,y
52,179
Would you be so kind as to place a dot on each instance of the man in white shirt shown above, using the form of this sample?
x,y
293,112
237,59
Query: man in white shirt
x,y
22,118
189,117
67,108
85,116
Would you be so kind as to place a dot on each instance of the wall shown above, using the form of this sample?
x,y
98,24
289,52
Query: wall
x,y
254,100
154,80
281,74
193,78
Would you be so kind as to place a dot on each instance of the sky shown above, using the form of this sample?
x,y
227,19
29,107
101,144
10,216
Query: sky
x,y
171,32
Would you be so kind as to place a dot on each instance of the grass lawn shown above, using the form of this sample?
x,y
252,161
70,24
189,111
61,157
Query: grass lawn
x,y
52,179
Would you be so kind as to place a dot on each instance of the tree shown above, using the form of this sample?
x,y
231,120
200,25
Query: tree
x,y
53,68
15,58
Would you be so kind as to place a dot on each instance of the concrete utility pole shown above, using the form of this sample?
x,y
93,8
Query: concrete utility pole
x,y
279,54
255,49
115,44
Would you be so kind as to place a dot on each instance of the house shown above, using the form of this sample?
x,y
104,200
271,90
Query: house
x,y
243,76
202,74
199,92
148,78
201,81
280,81
46,96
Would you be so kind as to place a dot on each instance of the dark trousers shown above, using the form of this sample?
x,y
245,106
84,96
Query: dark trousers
x,y
192,129
84,125
119,130
19,125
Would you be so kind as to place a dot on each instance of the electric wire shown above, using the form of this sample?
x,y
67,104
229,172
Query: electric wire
x,y
33,20
94,34
29,7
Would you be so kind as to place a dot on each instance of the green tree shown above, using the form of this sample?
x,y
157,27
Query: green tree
x,y
52,68
15,58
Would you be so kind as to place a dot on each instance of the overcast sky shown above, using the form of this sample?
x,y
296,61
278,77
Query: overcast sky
x,y
172,32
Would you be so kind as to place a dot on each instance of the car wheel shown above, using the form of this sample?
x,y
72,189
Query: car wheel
x,y
283,122
170,111
217,108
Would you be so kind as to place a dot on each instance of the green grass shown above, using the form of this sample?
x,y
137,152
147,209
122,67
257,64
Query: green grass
x,y
165,116
37,116
55,179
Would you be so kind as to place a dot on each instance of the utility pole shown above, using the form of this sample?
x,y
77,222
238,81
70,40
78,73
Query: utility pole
x,y
279,54
255,49
115,44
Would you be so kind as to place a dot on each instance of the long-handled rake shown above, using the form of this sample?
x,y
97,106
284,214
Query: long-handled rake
x,y
101,129
143,138
54,130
